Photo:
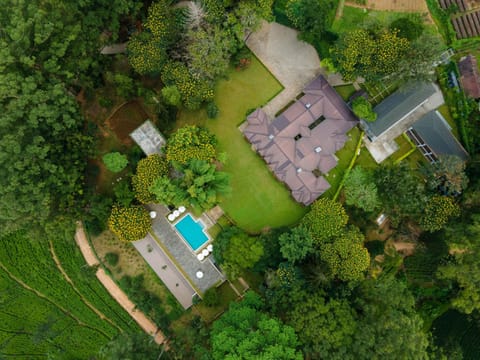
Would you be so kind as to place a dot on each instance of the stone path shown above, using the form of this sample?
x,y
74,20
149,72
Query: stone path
x,y
146,324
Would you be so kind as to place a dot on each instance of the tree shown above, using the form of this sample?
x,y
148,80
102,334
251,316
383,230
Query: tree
x,y
246,332
390,327
438,211
171,95
296,244
203,184
408,27
324,327
447,175
129,223
360,189
167,191
191,142
401,193
313,18
346,257
463,269
114,161
208,51
138,346
148,170
325,220
363,109
371,55
236,251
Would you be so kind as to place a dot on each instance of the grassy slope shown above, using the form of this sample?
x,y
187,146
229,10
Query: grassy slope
x,y
258,200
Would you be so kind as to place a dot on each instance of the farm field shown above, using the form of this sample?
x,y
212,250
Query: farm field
x,y
44,313
395,5
254,188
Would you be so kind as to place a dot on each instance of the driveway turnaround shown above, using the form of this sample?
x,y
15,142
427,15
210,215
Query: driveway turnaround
x,y
293,62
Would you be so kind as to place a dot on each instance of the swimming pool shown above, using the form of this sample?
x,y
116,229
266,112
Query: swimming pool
x,y
192,232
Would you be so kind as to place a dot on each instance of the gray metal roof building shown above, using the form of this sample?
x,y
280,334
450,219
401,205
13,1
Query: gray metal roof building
x,y
433,137
397,107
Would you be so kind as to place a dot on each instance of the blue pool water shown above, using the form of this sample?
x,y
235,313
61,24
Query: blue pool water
x,y
192,232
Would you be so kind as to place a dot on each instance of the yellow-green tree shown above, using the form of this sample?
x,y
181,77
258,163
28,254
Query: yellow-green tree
x,y
148,170
129,223
438,211
191,142
326,219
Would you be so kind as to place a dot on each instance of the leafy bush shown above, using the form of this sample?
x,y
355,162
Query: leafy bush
x,y
212,110
115,162
111,258
211,298
363,109
129,223
171,95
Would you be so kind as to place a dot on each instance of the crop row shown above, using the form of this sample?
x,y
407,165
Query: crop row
x,y
32,263
32,327
88,285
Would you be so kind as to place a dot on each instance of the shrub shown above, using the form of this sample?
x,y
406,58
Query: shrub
x,y
212,110
211,298
129,223
363,109
115,162
111,258
171,95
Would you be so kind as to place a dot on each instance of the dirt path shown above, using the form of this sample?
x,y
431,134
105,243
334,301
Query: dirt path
x,y
85,301
82,242
405,248
145,323
339,12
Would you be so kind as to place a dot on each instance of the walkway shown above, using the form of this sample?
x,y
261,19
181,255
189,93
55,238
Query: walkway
x,y
183,256
146,324
293,62
166,270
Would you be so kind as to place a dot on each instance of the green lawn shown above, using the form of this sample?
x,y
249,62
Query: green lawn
x,y
258,200
344,156
345,91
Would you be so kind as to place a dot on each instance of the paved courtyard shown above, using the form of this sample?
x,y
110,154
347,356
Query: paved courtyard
x,y
175,247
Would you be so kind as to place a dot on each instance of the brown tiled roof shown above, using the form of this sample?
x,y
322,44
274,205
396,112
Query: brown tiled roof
x,y
469,77
293,147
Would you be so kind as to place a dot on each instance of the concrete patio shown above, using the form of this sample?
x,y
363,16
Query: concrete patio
x,y
182,255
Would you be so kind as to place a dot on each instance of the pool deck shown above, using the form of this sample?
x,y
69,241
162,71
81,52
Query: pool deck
x,y
166,270
182,255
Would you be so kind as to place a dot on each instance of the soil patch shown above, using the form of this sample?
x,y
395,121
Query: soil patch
x,y
395,5
125,119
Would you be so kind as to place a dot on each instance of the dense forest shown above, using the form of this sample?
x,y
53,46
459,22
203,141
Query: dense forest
x,y
324,288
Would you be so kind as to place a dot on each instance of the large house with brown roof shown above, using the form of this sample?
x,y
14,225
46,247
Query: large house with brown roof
x,y
300,144
469,76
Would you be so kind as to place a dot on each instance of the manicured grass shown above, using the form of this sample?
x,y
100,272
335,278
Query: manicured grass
x,y
225,295
344,156
345,91
258,200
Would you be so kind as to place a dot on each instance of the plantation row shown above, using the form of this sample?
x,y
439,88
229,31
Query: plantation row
x,y
32,263
86,282
33,328
50,323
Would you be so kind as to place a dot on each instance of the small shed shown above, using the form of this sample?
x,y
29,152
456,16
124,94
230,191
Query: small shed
x,y
150,140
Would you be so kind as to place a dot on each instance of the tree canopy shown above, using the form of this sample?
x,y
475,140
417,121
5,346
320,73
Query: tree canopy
x,y
325,220
363,109
246,332
361,190
129,223
114,161
148,170
191,142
